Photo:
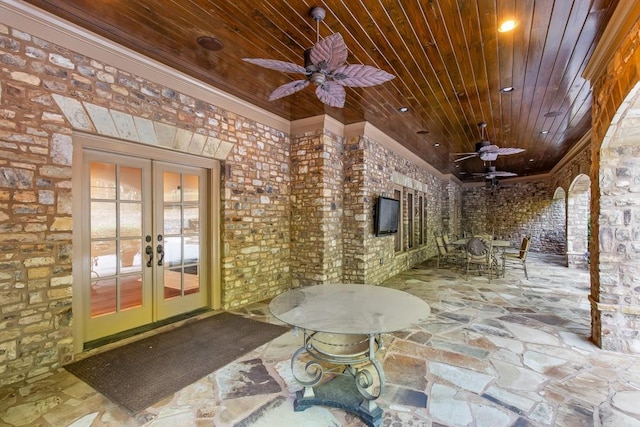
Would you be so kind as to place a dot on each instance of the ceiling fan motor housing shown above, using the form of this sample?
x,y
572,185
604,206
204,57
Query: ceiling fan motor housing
x,y
482,144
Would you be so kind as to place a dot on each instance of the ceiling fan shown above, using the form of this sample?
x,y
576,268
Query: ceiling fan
x,y
324,66
490,172
485,150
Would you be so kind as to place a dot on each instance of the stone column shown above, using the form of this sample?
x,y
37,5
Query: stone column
x,y
316,208
578,214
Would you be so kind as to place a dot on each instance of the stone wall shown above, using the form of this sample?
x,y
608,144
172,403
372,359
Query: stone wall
x,y
385,171
256,211
514,209
35,190
615,174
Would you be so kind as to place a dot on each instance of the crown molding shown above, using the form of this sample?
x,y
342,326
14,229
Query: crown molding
x,y
624,17
42,24
577,148
322,122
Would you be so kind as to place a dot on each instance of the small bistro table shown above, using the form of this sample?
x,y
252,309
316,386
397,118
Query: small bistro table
x,y
342,327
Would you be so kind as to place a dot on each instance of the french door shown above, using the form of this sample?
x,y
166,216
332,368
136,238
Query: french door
x,y
145,241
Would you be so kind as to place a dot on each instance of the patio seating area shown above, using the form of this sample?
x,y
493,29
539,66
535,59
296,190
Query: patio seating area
x,y
507,352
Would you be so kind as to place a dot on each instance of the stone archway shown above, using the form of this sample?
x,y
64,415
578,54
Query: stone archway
x,y
559,194
578,214
617,290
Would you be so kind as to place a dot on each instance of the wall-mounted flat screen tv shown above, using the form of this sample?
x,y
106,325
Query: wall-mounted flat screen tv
x,y
386,216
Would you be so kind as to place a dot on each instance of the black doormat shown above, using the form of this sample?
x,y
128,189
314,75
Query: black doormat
x,y
139,374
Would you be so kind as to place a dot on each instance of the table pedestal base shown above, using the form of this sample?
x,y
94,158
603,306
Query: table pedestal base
x,y
342,393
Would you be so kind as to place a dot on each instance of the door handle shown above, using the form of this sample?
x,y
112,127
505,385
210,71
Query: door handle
x,y
149,251
160,251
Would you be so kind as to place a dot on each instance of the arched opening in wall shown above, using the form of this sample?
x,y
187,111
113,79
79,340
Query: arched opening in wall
x,y
578,222
618,282
559,194
558,210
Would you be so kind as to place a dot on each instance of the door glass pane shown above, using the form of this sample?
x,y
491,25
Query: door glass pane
x,y
191,253
130,219
103,296
190,188
191,279
102,180
103,258
172,219
172,251
172,187
191,250
172,282
131,291
130,183
191,220
103,220
130,255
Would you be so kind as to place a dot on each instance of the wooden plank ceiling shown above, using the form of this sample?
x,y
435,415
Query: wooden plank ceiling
x,y
449,59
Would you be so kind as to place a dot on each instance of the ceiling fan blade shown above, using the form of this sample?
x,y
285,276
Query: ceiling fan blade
x,y
507,151
287,67
360,75
471,155
288,89
329,53
503,174
489,149
331,94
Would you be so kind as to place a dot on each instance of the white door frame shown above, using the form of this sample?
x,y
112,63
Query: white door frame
x,y
83,141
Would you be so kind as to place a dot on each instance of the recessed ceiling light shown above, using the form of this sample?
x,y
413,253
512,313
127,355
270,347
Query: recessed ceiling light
x,y
422,132
507,25
210,43
403,109
437,144
544,132
507,89
531,160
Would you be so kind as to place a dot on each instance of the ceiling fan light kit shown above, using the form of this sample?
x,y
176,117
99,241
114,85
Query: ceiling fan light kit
x,y
324,66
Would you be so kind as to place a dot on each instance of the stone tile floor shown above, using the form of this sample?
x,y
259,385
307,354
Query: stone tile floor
x,y
510,352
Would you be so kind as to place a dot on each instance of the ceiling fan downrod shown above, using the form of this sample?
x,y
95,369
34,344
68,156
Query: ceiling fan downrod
x,y
317,14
